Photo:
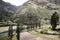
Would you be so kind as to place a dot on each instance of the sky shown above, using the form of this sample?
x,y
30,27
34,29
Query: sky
x,y
16,2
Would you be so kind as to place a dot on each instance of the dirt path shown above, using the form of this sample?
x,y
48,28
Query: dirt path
x,y
28,36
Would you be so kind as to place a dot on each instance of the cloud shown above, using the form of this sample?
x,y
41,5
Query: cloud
x,y
16,2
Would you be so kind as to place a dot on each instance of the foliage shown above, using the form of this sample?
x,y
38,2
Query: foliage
x,y
34,10
5,15
31,12
28,15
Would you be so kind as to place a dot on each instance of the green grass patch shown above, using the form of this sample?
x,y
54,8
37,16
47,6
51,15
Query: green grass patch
x,y
6,37
3,37
53,37
46,27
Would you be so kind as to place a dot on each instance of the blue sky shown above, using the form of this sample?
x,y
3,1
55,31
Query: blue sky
x,y
16,2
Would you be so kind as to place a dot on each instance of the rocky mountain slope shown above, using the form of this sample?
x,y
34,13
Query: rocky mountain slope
x,y
51,4
48,4
42,9
7,6
54,1
7,11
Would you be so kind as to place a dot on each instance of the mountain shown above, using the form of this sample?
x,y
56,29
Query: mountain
x,y
42,2
54,1
48,4
7,11
32,9
46,1
7,6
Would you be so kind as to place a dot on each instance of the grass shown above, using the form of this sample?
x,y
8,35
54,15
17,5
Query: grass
x,y
6,37
3,37
45,35
46,27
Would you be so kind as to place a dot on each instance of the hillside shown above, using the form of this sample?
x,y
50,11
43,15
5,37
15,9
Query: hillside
x,y
40,3
6,10
55,1
7,6
41,9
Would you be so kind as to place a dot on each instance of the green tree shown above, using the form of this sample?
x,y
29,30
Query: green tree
x,y
54,20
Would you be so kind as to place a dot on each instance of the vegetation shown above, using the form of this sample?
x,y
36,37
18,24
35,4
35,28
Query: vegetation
x,y
2,37
31,14
5,15
45,28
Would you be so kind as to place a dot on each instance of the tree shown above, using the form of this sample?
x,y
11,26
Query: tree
x,y
18,32
54,20
10,32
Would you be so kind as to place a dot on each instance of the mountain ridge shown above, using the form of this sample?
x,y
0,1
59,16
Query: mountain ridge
x,y
8,7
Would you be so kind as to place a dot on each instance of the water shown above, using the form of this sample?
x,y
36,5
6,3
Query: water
x,y
5,33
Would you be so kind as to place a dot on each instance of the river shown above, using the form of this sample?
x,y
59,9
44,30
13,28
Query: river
x,y
4,30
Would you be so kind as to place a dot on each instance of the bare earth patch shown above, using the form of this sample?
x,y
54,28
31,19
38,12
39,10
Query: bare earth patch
x,y
29,36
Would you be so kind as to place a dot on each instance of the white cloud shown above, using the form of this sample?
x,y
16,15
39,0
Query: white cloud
x,y
16,2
